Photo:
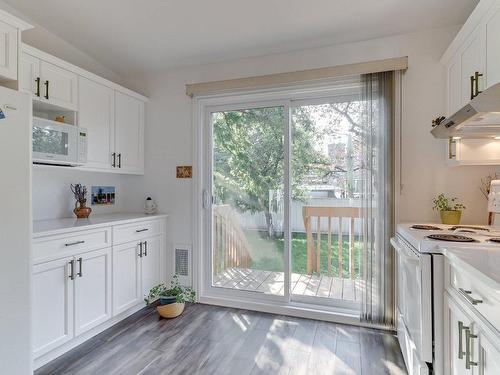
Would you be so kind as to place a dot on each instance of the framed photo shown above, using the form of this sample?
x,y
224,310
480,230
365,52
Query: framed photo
x,y
103,195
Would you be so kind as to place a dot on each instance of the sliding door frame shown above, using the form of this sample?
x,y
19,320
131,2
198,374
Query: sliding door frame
x,y
203,106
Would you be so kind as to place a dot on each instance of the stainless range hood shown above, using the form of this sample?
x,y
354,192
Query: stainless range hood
x,y
480,118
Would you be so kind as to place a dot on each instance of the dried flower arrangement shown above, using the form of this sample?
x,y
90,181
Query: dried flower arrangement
x,y
80,192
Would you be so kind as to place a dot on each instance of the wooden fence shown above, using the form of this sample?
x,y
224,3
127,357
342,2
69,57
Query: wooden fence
x,y
314,246
231,248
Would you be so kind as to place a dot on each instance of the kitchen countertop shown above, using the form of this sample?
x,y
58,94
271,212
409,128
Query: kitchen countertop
x,y
59,226
482,263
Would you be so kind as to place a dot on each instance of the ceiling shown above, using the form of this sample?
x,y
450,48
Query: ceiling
x,y
145,36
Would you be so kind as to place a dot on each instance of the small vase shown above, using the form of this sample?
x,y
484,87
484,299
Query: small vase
x,y
82,211
451,217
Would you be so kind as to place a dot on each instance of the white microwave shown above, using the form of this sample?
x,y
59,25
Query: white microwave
x,y
58,143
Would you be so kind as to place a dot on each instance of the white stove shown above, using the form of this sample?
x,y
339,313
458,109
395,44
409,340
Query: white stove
x,y
424,238
420,286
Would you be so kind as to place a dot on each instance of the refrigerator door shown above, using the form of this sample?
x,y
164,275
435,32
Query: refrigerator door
x,y
15,232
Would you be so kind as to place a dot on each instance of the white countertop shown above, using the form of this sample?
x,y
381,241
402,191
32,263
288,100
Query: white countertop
x,y
59,226
481,262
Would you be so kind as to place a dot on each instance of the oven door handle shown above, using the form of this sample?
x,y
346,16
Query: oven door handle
x,y
403,254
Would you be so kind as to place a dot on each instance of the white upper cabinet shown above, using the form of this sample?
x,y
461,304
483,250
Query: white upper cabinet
x,y
8,51
96,113
129,133
48,83
10,42
492,31
113,115
59,86
472,63
29,75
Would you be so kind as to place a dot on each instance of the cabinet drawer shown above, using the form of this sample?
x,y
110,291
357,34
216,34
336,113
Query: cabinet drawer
x,y
136,231
481,298
52,247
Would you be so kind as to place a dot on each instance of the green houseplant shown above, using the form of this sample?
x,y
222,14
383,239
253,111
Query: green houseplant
x,y
449,209
173,299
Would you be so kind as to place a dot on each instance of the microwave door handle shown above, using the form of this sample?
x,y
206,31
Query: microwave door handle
x,y
406,257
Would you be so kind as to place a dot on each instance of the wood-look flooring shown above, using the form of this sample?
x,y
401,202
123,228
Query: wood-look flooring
x,y
217,340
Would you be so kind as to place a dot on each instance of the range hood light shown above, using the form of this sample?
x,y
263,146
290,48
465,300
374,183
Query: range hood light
x,y
456,138
496,137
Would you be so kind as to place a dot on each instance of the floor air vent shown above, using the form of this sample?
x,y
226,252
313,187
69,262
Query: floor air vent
x,y
183,265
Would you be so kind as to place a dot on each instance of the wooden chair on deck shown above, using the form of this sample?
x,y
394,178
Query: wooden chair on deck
x,y
314,249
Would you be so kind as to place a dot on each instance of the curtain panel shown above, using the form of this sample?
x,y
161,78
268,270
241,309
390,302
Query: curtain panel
x,y
378,273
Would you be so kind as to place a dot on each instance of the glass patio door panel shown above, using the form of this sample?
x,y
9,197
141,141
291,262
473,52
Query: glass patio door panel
x,y
325,201
248,188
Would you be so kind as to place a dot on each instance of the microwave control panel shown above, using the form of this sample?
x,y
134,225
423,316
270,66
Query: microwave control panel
x,y
82,145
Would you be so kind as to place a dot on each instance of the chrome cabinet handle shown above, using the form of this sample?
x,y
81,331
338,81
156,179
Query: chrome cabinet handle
x,y
145,248
80,262
72,269
468,297
140,249
113,155
37,93
47,90
141,230
74,243
461,327
468,340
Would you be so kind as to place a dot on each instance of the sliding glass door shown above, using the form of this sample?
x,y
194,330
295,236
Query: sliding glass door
x,y
247,212
282,199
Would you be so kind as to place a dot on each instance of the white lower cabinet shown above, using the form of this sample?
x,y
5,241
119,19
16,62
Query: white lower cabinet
x,y
457,330
151,270
136,269
52,305
82,280
126,277
489,356
92,290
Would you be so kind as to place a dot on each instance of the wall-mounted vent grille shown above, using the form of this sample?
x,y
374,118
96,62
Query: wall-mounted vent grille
x,y
183,264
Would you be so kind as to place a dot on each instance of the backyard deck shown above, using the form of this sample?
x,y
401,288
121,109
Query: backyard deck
x,y
302,284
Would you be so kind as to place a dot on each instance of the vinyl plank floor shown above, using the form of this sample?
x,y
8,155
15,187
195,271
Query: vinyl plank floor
x,y
217,340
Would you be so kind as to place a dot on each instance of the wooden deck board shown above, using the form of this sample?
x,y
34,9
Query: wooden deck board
x,y
301,284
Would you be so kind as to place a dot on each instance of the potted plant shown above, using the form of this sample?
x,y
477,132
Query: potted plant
x,y
173,299
449,209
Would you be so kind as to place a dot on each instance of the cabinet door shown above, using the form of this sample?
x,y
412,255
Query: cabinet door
x,y
456,324
454,86
59,85
126,277
151,263
492,48
29,72
96,114
52,305
489,356
472,60
129,133
92,290
8,51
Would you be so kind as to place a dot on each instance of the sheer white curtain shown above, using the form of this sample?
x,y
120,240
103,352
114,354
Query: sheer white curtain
x,y
377,304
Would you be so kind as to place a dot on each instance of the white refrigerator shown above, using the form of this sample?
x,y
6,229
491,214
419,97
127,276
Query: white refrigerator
x,y
15,232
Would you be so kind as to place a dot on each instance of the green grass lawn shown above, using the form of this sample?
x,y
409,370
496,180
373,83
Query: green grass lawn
x,y
267,254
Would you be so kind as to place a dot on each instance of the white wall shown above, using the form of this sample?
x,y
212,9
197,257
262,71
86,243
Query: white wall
x,y
169,136
52,197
